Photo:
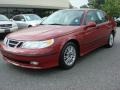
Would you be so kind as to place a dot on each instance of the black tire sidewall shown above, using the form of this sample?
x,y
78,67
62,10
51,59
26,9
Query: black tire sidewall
x,y
62,63
29,26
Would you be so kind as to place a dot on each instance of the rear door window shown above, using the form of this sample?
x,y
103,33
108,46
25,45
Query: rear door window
x,y
96,16
92,17
102,16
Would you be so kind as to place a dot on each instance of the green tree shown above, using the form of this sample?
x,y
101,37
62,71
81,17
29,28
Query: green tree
x,y
94,4
84,6
112,7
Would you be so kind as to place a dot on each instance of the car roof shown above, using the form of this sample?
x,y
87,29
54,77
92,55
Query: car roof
x,y
2,14
28,14
24,14
84,9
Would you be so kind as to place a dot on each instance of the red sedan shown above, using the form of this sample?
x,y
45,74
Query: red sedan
x,y
60,39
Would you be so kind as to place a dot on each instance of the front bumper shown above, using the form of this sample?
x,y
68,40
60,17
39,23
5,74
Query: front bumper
x,y
46,58
5,30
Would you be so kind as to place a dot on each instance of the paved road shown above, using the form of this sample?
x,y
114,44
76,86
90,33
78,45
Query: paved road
x,y
100,70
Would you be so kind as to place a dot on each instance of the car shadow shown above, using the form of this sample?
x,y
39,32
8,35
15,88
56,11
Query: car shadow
x,y
35,72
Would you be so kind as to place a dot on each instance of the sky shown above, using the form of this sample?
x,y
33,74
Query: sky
x,y
78,3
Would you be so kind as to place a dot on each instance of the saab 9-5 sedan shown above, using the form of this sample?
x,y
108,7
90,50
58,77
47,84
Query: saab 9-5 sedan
x,y
60,39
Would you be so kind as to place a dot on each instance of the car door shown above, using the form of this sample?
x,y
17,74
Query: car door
x,y
104,25
91,34
20,20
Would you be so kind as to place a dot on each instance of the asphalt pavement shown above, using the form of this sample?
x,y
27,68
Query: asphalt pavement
x,y
99,70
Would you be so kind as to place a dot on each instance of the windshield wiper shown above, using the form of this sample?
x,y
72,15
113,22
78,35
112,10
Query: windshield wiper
x,y
57,24
54,24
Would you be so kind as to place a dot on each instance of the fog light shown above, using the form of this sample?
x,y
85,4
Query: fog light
x,y
34,63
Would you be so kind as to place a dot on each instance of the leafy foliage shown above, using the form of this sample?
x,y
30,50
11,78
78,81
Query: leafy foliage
x,y
84,6
112,7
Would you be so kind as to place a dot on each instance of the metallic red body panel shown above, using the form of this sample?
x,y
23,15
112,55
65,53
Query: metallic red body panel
x,y
87,38
47,58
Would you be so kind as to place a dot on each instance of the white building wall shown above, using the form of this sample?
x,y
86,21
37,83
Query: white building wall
x,y
52,4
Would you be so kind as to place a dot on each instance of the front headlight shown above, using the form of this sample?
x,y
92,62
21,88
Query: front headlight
x,y
37,44
5,40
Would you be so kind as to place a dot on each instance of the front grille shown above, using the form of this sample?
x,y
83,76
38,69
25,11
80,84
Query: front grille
x,y
6,25
13,43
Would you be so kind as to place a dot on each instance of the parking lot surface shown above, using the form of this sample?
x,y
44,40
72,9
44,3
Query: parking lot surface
x,y
99,70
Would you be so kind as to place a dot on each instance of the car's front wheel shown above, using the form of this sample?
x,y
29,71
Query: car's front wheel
x,y
29,26
110,40
68,56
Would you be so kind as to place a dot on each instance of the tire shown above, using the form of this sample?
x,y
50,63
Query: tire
x,y
110,41
68,58
29,26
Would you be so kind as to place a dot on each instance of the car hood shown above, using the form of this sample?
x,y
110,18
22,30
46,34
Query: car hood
x,y
42,32
6,22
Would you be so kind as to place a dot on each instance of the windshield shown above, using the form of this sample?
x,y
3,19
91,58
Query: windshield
x,y
65,17
32,17
3,18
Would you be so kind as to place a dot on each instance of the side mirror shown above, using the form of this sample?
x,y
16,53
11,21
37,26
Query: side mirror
x,y
23,20
11,19
91,24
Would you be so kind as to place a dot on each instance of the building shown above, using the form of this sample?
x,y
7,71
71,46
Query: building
x,y
40,7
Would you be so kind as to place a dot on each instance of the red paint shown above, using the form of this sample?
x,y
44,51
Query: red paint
x,y
89,38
